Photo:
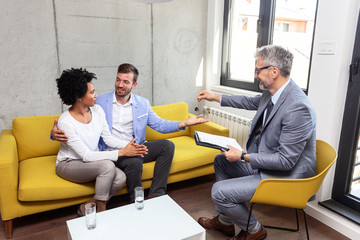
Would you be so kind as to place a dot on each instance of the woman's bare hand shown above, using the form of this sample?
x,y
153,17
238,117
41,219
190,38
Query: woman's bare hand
x,y
133,149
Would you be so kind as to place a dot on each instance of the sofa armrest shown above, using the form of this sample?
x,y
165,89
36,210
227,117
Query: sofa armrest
x,y
9,169
209,127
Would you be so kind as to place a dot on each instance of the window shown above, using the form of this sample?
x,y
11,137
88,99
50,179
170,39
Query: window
x,y
282,27
249,24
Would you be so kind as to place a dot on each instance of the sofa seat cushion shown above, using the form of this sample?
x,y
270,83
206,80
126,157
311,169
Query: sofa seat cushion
x,y
38,181
187,156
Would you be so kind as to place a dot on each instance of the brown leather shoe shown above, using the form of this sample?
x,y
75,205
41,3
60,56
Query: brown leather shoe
x,y
215,224
259,235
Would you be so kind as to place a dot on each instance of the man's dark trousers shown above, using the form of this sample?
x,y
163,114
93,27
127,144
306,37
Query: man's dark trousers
x,y
160,151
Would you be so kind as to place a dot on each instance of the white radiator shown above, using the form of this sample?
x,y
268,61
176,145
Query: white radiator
x,y
239,126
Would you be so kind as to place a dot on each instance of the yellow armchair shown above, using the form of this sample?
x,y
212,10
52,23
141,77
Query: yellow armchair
x,y
295,193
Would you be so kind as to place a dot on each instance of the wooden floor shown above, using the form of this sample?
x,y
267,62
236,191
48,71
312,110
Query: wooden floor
x,y
193,196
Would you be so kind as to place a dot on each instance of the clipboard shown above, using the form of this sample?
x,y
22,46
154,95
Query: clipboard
x,y
215,141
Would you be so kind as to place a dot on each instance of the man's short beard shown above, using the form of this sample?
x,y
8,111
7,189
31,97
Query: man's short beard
x,y
123,95
263,85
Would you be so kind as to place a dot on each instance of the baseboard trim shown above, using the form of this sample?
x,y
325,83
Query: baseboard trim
x,y
335,221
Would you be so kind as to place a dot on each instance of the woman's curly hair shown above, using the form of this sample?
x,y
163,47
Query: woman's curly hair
x,y
72,84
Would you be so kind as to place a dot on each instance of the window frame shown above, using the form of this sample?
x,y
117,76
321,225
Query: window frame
x,y
265,28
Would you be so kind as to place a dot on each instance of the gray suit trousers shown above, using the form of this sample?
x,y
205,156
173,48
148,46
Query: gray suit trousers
x,y
236,183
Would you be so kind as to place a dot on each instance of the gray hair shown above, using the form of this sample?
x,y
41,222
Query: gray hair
x,y
276,56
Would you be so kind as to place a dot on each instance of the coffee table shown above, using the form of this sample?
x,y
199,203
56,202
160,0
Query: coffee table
x,y
161,219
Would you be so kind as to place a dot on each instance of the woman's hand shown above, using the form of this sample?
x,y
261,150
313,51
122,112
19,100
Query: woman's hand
x,y
133,149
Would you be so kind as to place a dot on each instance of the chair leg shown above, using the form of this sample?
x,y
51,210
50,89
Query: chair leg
x,y
281,228
8,228
247,225
306,226
287,229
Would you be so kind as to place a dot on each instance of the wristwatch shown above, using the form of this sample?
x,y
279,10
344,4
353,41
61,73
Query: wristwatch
x,y
242,159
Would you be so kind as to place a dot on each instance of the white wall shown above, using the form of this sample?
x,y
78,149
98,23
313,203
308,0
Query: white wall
x,y
336,22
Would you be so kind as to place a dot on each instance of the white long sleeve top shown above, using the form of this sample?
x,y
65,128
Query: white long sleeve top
x,y
83,138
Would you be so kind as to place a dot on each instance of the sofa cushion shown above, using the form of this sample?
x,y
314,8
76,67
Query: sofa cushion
x,y
38,181
32,136
173,112
187,156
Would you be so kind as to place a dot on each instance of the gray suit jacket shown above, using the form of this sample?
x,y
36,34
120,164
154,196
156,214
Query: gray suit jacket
x,y
287,144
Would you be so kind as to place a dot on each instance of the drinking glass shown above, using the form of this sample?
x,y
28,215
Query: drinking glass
x,y
90,215
139,198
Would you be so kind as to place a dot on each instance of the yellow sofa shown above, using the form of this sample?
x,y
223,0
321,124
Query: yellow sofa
x,y
29,184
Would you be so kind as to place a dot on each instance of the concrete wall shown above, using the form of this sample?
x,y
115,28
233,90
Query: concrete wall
x,y
28,60
40,38
179,51
99,35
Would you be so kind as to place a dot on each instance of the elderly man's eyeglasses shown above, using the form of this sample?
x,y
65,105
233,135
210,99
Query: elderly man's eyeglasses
x,y
258,70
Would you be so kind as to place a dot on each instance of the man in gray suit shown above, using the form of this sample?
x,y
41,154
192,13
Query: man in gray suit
x,y
282,143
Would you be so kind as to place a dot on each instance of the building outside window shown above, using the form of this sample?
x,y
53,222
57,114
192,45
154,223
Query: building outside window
x,y
355,182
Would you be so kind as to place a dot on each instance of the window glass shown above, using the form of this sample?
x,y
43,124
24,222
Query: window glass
x,y
243,39
294,27
355,180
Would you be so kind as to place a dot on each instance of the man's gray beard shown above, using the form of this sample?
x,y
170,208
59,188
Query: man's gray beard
x,y
262,86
